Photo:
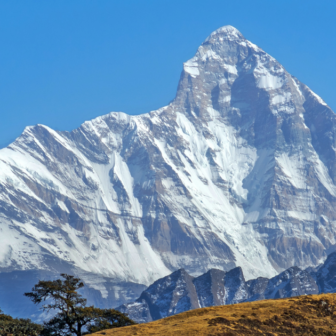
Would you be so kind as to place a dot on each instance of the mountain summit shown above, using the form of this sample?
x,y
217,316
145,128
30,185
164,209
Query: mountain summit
x,y
238,170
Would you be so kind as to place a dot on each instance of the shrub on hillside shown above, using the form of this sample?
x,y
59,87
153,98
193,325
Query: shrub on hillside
x,y
18,327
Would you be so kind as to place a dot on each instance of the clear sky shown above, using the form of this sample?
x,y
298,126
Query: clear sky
x,y
63,62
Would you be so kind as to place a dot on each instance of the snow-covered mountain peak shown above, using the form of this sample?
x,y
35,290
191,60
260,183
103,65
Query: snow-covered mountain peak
x,y
227,31
238,170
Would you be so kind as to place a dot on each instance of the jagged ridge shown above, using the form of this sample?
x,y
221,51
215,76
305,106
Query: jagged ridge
x,y
179,292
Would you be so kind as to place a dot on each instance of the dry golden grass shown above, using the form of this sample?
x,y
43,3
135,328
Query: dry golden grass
x,y
303,315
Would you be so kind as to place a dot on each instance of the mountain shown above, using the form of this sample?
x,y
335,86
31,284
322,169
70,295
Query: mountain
x,y
180,292
292,282
238,170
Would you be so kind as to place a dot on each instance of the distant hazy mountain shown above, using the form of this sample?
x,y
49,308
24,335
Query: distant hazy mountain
x,y
238,170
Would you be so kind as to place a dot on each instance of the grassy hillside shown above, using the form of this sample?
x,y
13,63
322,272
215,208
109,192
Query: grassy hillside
x,y
303,315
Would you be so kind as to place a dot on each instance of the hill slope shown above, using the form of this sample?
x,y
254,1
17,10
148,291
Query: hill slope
x,y
303,315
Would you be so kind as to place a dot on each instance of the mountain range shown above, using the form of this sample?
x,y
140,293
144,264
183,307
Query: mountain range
x,y
237,171
180,292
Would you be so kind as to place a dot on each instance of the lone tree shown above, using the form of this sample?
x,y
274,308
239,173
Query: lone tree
x,y
73,316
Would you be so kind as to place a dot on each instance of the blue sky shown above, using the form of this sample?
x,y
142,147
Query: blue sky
x,y
63,62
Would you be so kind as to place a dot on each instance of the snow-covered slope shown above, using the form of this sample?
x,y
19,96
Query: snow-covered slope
x,y
238,170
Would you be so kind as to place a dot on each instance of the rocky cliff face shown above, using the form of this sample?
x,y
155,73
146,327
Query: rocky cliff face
x,y
179,292
326,275
238,170
292,282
